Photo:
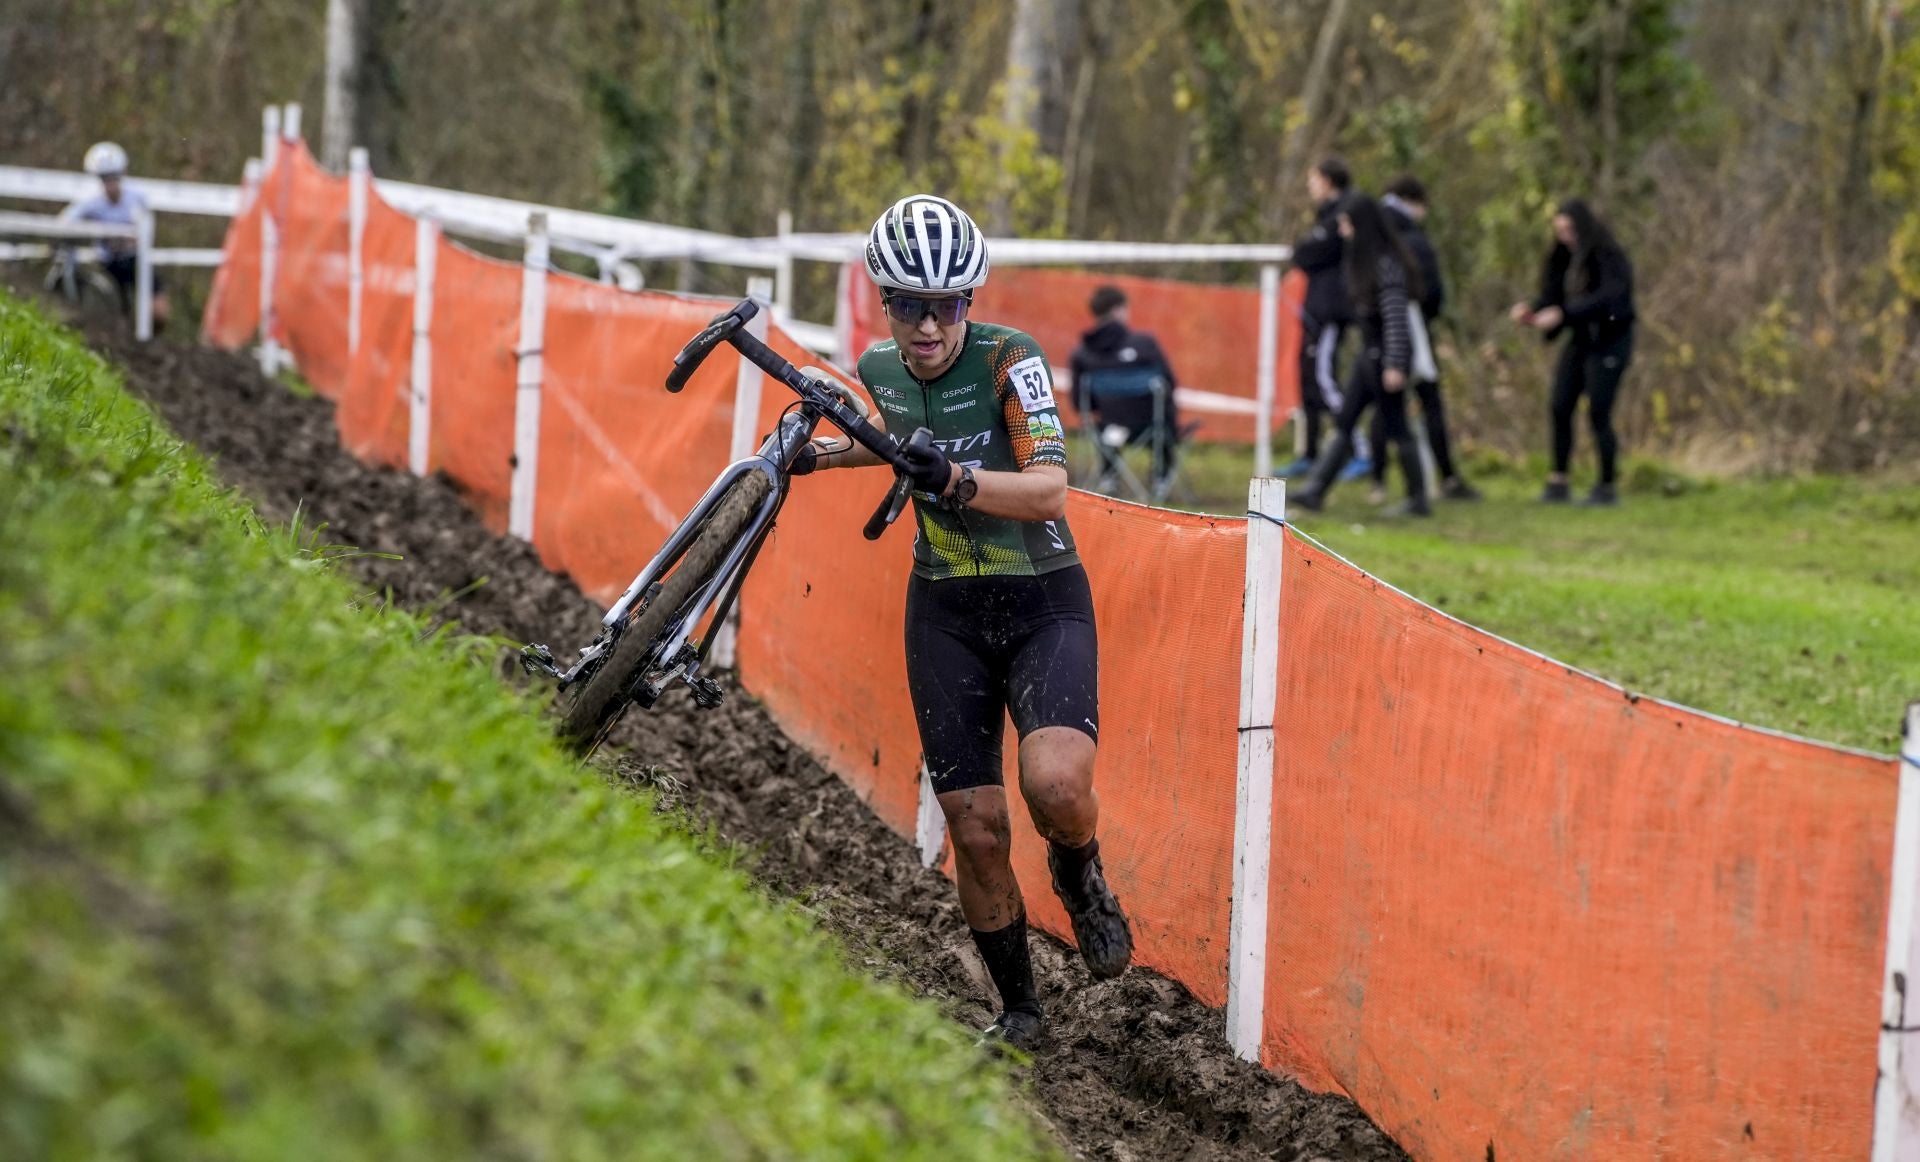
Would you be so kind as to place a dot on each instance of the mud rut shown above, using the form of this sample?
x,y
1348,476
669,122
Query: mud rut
x,y
1134,1068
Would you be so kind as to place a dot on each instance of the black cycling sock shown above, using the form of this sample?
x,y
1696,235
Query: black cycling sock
x,y
1010,964
1071,861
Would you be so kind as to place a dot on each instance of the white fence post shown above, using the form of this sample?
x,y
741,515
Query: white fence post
x,y
359,178
526,401
1269,356
249,185
290,121
746,424
1253,798
747,383
143,274
843,317
783,273
269,135
269,240
426,251
1896,1097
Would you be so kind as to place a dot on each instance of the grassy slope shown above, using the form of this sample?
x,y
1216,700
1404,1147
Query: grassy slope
x,y
1785,603
281,877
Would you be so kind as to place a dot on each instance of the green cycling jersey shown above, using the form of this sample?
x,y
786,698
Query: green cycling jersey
x,y
993,411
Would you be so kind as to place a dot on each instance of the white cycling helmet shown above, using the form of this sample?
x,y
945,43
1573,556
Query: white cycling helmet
x,y
106,160
924,243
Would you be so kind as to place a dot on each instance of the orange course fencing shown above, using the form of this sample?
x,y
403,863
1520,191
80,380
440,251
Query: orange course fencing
x,y
1511,910
1210,334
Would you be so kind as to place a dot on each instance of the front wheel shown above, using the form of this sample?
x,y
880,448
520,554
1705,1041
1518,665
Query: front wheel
x,y
589,707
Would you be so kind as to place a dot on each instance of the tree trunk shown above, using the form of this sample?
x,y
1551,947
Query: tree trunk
x,y
1613,38
1867,33
1313,99
1044,33
340,122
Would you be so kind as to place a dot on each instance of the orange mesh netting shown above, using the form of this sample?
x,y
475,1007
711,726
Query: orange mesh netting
x,y
621,460
310,288
1166,597
1511,910
374,418
1516,913
1211,334
232,316
476,327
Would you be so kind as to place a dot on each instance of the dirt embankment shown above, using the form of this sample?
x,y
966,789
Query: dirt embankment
x,y
1135,1068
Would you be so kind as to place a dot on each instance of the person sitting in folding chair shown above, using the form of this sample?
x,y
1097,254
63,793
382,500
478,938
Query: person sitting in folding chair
x,y
1123,388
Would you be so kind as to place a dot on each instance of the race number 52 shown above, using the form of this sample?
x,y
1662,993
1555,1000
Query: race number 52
x,y
1034,382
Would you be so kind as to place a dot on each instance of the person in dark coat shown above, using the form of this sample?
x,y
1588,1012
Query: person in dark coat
x,y
1382,279
1586,293
1405,204
1323,319
1112,344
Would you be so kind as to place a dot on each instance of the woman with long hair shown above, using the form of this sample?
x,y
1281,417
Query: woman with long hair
x,y
1381,278
1586,291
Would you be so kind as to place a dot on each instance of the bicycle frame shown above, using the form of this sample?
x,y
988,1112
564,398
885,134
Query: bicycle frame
x,y
821,398
721,592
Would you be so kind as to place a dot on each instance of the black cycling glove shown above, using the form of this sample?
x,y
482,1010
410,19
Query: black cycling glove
x,y
804,461
928,467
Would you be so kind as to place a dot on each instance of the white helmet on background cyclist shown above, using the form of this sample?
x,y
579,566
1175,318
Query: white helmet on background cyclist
x,y
106,160
924,244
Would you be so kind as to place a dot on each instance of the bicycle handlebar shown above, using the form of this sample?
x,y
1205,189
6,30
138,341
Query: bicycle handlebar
x,y
823,392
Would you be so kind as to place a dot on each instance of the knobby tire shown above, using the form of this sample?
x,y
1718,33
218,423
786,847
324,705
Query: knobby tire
x,y
602,696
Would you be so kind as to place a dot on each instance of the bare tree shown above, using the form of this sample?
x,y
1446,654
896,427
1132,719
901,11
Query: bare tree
x,y
340,118
1314,94
1044,34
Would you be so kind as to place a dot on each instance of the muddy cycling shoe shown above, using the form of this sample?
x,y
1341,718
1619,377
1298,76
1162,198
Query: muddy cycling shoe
x,y
1099,926
1015,1029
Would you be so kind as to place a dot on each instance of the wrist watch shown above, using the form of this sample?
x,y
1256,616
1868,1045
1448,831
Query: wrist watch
x,y
963,489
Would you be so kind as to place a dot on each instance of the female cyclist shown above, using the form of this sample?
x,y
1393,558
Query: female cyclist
x,y
999,611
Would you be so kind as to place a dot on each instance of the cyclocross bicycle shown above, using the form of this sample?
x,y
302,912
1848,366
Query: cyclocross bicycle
x,y
646,641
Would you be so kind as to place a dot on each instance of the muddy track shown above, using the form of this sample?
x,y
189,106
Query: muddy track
x,y
1135,1068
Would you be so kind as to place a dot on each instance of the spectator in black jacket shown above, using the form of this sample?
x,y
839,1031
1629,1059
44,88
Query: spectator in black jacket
x,y
1586,290
1112,344
1381,279
1406,206
1324,314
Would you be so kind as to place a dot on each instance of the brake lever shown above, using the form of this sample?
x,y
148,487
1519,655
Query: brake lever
x,y
895,501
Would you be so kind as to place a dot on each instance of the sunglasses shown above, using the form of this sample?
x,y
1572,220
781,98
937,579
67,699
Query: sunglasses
x,y
912,309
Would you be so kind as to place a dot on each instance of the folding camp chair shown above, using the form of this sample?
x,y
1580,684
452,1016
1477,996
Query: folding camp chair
x,y
1130,407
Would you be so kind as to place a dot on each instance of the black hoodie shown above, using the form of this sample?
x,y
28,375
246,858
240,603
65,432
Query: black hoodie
x,y
1433,294
1112,344
1597,301
1317,253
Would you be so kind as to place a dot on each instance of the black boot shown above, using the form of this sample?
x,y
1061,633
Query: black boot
x,y
1326,470
1416,474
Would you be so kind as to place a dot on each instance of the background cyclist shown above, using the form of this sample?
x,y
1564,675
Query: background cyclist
x,y
117,204
999,609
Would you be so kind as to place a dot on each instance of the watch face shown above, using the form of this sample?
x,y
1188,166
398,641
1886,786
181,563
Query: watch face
x,y
965,487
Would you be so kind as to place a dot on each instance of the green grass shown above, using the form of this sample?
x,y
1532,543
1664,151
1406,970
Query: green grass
x,y
283,875
1788,603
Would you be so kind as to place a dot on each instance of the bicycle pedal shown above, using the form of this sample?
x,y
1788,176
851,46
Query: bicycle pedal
x,y
538,659
707,693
